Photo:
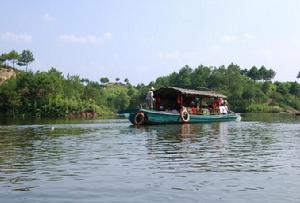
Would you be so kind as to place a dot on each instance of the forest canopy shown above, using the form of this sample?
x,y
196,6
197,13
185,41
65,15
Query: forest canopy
x,y
51,94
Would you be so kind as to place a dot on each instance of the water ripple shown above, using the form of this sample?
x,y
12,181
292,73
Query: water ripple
x,y
169,163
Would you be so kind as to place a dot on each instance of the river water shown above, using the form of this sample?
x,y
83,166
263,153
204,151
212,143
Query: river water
x,y
255,160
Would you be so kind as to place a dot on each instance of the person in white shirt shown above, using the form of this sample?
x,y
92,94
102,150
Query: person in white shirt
x,y
223,108
149,98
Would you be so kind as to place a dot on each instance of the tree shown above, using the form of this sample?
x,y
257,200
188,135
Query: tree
x,y
253,73
13,56
9,97
104,80
127,82
85,81
282,88
3,58
117,79
26,58
295,89
270,74
298,76
218,78
200,76
162,81
262,73
267,87
184,77
244,72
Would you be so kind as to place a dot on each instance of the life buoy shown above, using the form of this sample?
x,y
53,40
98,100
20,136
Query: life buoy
x,y
184,115
139,118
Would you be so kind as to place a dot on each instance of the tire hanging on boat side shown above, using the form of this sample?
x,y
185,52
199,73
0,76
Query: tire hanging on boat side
x,y
184,115
139,118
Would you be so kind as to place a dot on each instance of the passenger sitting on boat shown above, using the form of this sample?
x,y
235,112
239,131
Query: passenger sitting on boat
x,y
220,100
226,106
194,110
215,103
216,106
223,109
149,98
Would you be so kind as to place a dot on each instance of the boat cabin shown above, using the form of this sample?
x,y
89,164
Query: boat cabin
x,y
172,99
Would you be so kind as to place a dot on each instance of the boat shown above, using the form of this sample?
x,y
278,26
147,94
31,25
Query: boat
x,y
179,105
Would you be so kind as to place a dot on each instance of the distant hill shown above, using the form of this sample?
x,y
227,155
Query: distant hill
x,y
6,72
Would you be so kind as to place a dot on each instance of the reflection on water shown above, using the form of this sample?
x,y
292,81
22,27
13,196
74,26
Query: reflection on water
x,y
112,161
211,147
272,117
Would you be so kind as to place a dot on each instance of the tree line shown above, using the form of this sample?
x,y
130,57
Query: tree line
x,y
259,74
22,59
247,90
52,94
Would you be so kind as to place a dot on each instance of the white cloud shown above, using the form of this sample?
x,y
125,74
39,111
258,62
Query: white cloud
x,y
88,39
76,39
249,36
107,35
17,38
229,38
48,18
238,38
295,42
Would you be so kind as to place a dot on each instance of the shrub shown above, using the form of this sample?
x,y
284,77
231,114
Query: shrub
x,y
263,108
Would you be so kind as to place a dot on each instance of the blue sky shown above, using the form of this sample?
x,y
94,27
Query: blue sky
x,y
141,40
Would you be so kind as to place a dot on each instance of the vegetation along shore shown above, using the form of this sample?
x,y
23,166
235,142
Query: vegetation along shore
x,y
52,94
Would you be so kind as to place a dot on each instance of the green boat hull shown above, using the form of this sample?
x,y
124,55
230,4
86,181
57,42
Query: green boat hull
x,y
161,117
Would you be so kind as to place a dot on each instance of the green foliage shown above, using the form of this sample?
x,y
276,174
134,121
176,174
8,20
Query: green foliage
x,y
13,57
282,88
3,58
246,90
126,80
184,77
295,89
263,108
9,98
253,73
269,75
52,94
25,58
104,80
259,74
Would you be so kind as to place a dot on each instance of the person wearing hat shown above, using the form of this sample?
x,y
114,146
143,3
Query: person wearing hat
x,y
149,98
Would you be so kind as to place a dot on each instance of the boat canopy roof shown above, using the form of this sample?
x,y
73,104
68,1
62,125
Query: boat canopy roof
x,y
188,92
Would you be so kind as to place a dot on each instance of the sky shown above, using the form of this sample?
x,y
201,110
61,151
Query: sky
x,y
142,40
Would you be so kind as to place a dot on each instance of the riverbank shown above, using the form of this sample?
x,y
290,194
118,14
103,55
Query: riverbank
x,y
265,117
